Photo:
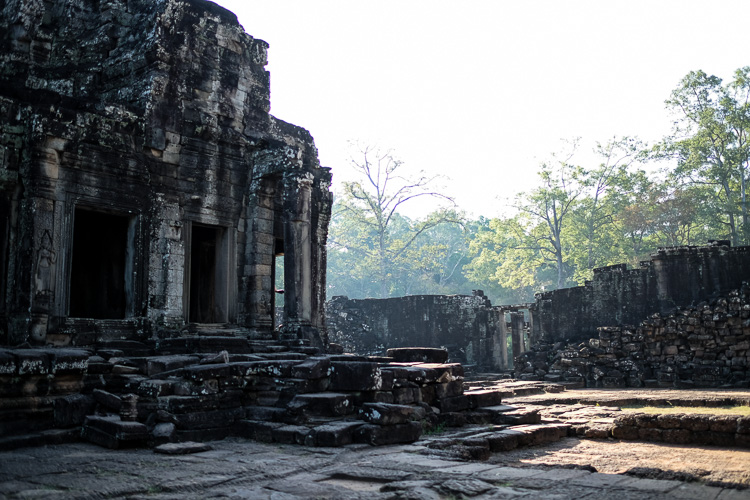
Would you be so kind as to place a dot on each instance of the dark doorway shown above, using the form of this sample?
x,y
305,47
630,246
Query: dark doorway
x,y
208,275
99,276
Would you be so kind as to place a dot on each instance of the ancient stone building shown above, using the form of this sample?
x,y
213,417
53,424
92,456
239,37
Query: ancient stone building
x,y
144,186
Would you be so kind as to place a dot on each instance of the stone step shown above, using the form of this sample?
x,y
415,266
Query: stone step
x,y
112,432
481,444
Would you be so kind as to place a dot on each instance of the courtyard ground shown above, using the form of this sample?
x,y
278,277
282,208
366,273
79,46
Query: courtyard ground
x,y
571,468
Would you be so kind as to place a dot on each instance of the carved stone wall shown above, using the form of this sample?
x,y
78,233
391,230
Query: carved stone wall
x,y
154,117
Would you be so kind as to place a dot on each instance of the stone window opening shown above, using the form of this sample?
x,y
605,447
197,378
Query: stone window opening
x,y
208,274
102,265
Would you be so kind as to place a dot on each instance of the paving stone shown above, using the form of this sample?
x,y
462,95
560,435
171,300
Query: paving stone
x,y
655,485
182,448
465,487
692,491
732,494
598,480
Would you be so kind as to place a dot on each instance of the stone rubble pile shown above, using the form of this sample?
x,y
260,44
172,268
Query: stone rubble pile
x,y
703,346
128,393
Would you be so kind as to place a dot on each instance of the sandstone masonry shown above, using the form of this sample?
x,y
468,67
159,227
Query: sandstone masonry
x,y
144,186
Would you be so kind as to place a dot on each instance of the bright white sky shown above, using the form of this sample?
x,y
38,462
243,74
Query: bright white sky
x,y
482,91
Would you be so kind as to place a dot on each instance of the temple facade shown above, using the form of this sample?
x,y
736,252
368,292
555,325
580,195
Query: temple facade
x,y
145,190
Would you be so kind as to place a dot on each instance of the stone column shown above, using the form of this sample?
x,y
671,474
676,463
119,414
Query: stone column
x,y
502,327
297,251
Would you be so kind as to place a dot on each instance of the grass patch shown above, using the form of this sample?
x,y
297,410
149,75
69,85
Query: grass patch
x,y
704,410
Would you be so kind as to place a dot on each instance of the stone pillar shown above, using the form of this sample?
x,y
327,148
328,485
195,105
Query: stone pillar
x,y
516,328
503,329
297,251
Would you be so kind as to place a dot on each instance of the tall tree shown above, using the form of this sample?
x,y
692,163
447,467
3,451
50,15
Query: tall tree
x,y
545,212
369,210
711,141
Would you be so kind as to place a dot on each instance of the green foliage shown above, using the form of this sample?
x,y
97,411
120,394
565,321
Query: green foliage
x,y
580,216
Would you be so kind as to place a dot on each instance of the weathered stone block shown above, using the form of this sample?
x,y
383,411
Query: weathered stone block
x,y
111,432
480,398
199,373
458,403
418,354
359,376
313,368
333,434
390,414
327,404
290,434
723,423
377,435
71,411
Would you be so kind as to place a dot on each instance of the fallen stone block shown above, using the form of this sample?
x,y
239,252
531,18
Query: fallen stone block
x,y
504,440
359,376
449,389
108,400
392,434
207,419
480,398
417,354
72,410
256,430
199,373
290,434
454,404
325,404
160,364
390,414
111,432
313,368
184,448
275,368
333,434
407,395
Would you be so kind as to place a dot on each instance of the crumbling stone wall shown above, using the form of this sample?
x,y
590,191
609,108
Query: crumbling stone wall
x,y
154,116
466,325
707,345
673,277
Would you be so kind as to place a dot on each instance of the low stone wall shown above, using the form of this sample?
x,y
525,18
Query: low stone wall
x,y
466,325
703,346
719,430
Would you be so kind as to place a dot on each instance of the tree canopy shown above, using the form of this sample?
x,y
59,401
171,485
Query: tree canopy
x,y
632,198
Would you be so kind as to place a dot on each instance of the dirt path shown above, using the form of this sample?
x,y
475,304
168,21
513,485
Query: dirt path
x,y
710,464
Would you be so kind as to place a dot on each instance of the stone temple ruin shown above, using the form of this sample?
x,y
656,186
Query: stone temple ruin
x,y
148,199
682,318
145,185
